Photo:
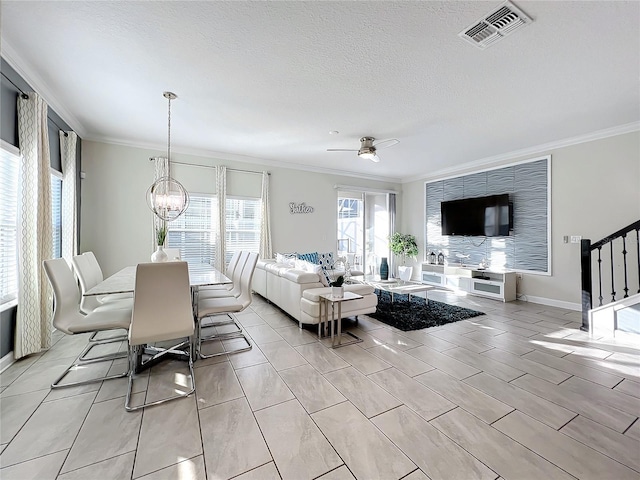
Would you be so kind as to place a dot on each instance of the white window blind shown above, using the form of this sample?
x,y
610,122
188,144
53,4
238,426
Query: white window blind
x,y
243,217
56,213
194,232
9,175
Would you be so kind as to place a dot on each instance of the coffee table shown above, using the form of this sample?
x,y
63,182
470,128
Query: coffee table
x,y
395,286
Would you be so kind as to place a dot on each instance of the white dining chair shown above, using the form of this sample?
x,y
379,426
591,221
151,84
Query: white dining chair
x,y
227,306
89,273
69,320
232,290
162,310
229,272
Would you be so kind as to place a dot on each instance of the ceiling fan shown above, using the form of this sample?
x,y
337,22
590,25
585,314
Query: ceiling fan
x,y
368,148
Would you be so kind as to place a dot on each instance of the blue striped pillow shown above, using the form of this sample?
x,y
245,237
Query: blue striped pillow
x,y
309,257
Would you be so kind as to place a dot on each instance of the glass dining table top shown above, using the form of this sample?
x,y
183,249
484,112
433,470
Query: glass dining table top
x,y
124,280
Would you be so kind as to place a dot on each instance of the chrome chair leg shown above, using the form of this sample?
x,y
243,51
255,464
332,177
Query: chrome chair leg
x,y
78,363
221,337
82,358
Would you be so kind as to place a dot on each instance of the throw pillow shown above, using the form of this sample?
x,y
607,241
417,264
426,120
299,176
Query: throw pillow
x,y
322,274
325,278
309,257
287,258
325,259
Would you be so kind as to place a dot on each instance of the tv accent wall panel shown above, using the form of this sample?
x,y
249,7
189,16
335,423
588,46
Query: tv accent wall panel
x,y
527,249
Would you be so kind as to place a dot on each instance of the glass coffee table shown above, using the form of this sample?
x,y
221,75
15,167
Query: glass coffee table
x,y
394,286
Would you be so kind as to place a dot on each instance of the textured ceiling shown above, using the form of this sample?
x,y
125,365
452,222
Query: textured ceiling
x,y
267,81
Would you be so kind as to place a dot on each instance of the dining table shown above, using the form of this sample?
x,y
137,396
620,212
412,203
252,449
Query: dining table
x,y
124,281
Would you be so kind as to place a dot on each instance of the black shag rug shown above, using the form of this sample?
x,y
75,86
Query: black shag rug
x,y
408,315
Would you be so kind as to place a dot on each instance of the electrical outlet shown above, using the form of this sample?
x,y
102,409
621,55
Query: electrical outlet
x,y
575,238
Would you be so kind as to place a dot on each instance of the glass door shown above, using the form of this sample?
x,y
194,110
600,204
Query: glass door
x,y
364,225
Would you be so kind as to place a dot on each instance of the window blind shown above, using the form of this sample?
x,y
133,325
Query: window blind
x,y
194,232
9,176
243,218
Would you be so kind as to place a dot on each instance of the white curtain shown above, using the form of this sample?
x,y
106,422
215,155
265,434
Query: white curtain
x,y
68,142
265,226
35,242
221,193
161,169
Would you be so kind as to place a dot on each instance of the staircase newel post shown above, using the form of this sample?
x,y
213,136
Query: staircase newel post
x,y
585,266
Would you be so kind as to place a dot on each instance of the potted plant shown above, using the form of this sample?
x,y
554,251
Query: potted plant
x,y
406,246
337,290
161,234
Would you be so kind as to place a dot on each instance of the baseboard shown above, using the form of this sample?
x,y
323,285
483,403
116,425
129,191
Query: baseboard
x,y
552,302
6,361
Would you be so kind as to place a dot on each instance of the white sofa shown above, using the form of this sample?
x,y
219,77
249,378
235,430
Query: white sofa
x,y
297,292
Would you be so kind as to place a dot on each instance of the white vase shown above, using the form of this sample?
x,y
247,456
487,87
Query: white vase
x,y
405,273
337,292
159,255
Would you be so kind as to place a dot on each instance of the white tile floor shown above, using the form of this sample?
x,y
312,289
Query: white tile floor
x,y
518,393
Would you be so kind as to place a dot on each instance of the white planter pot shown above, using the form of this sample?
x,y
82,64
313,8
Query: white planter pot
x,y
405,273
159,255
337,292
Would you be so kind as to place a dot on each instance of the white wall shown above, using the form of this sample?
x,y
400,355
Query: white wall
x,y
116,223
595,191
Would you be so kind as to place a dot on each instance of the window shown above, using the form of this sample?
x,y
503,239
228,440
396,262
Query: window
x,y
56,213
194,232
9,175
243,219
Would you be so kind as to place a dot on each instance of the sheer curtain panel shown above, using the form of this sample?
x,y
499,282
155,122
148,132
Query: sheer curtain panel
x,y
265,227
68,142
35,307
221,191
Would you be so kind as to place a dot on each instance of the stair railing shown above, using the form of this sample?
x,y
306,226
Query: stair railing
x,y
606,244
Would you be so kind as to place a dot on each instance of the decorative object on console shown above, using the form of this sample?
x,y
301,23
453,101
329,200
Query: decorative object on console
x,y
440,258
384,269
337,290
416,314
432,258
166,197
405,245
160,255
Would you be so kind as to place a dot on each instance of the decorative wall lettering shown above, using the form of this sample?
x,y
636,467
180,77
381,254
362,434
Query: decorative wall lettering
x,y
299,208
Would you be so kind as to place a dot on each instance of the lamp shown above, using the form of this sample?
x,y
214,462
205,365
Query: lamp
x,y
166,197
367,150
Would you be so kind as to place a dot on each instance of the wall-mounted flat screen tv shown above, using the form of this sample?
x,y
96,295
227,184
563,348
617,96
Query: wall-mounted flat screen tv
x,y
490,216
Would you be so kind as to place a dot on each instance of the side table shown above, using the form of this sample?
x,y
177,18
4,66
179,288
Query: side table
x,y
328,299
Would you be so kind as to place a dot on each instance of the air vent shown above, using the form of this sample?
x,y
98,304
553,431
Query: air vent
x,y
496,25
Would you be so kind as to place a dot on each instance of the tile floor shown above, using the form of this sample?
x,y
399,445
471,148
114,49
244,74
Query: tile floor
x,y
520,393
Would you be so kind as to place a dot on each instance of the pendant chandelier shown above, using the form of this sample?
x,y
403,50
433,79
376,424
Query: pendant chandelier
x,y
167,198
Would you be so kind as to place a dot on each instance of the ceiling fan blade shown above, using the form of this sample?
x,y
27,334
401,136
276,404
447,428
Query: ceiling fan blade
x,y
386,143
341,150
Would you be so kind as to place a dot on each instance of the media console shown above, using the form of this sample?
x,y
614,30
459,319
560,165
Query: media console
x,y
487,283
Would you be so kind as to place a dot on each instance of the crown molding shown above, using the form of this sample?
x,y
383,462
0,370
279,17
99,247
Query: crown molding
x,y
545,148
243,159
40,87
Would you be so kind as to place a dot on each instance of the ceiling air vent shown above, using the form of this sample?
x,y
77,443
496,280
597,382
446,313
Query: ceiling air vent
x,y
496,25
